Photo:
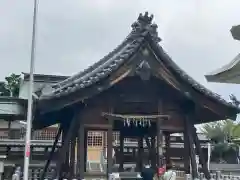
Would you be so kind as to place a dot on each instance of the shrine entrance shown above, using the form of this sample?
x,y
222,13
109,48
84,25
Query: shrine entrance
x,y
142,128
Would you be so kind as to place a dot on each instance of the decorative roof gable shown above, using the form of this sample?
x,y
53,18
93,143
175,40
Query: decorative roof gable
x,y
143,31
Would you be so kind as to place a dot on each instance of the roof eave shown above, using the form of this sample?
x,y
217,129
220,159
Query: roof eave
x,y
232,108
221,78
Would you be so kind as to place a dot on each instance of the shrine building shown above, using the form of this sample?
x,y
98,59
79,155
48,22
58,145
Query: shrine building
x,y
136,90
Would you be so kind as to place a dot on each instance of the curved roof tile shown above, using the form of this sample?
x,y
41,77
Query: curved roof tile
x,y
140,29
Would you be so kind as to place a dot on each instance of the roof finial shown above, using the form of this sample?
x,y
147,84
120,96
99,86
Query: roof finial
x,y
143,24
145,18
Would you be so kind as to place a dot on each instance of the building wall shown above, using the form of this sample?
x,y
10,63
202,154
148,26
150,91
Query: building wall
x,y
23,92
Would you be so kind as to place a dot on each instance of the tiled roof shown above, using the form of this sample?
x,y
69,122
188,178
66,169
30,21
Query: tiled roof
x,y
197,86
226,67
142,29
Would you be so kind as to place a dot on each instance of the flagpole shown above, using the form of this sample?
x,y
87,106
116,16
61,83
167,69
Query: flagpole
x,y
209,155
30,92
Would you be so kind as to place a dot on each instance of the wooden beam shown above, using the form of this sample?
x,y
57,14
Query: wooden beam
x,y
191,147
72,130
81,151
109,148
159,135
72,157
137,116
97,126
186,151
167,142
121,138
200,153
140,154
153,151
52,152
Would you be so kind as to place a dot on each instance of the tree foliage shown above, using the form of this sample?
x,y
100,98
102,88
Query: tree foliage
x,y
222,131
11,85
224,134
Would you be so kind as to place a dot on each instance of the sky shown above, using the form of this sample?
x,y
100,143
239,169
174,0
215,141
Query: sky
x,y
73,34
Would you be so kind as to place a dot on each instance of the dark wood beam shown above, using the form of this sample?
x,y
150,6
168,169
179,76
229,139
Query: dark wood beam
x,y
137,116
121,138
186,152
109,147
63,152
153,150
192,152
139,154
72,157
159,134
81,151
200,153
167,142
52,152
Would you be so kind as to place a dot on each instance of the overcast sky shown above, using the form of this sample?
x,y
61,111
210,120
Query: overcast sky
x,y
73,34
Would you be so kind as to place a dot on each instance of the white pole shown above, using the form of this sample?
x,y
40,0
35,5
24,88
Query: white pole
x,y
30,92
209,155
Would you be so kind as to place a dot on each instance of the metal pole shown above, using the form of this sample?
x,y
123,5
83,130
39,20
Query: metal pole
x,y
30,91
209,155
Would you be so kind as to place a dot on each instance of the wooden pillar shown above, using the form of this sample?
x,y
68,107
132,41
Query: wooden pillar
x,y
121,138
50,156
81,151
65,164
153,151
140,154
72,157
65,147
186,152
159,135
167,146
85,149
109,148
149,149
9,129
200,153
188,127
159,144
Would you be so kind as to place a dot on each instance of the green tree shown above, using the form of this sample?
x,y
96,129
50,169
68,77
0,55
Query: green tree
x,y
223,134
11,86
3,90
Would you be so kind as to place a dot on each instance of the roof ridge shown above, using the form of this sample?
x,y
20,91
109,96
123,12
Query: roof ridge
x,y
90,68
142,25
140,29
